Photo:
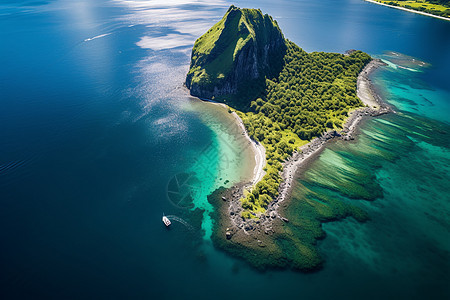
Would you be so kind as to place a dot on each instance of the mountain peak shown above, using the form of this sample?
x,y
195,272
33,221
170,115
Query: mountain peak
x,y
236,55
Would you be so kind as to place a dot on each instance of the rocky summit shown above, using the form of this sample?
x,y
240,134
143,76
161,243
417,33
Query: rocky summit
x,y
235,57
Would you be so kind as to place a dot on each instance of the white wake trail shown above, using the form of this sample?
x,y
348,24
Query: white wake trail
x,y
97,37
180,220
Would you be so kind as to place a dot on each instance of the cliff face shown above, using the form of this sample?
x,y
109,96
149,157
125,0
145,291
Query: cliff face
x,y
236,55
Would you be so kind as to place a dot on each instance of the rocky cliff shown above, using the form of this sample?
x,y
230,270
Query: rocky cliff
x,y
235,56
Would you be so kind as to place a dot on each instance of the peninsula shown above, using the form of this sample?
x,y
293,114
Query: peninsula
x,y
435,8
290,103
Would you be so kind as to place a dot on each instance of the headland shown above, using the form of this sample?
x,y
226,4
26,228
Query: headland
x,y
397,6
249,218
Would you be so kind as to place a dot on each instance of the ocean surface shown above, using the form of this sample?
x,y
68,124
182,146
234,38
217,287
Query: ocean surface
x,y
99,139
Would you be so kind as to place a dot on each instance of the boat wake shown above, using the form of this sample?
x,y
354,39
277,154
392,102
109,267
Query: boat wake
x,y
11,165
180,220
97,37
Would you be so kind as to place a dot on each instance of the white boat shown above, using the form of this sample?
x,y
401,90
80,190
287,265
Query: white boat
x,y
166,221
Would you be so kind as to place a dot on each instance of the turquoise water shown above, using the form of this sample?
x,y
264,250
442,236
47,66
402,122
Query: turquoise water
x,y
412,92
99,138
397,171
226,161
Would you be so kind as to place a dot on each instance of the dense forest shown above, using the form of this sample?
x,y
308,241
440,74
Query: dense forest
x,y
441,2
313,93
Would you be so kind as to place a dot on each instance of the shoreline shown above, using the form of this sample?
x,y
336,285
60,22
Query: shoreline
x,y
374,106
234,198
409,10
258,150
256,240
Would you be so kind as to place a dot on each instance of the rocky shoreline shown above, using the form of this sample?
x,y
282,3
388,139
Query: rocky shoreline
x,y
374,107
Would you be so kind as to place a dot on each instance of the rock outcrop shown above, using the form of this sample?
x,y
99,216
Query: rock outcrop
x,y
236,55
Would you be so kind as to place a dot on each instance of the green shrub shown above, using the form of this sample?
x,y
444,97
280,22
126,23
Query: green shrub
x,y
313,92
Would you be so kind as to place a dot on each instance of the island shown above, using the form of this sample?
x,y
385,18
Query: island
x,y
433,8
289,103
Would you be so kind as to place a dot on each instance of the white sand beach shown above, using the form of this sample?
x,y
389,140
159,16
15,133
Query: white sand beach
x,y
409,10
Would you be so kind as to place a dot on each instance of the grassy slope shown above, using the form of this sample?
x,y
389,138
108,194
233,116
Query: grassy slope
x,y
421,5
215,56
214,53
207,66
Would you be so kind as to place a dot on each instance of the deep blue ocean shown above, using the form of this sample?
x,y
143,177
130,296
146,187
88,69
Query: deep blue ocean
x,y
99,137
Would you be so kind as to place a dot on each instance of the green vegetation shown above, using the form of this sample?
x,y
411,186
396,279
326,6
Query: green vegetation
x,y
285,97
297,95
289,245
312,94
336,186
231,61
434,7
